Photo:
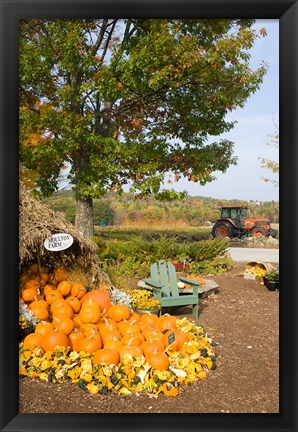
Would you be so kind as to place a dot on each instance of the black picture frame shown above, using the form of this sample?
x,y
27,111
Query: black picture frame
x,y
11,12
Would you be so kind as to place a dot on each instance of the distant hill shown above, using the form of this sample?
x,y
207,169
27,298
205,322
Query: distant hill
x,y
113,209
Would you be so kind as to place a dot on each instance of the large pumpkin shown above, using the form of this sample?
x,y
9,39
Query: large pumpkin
x,y
102,298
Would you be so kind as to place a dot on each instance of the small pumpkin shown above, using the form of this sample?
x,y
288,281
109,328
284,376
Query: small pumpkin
x,y
74,339
148,318
32,341
29,294
62,311
40,312
65,324
53,339
38,303
107,356
48,288
159,361
90,312
78,290
180,339
152,348
113,344
32,283
52,296
132,340
119,312
166,322
74,303
89,345
64,287
43,327
130,329
134,351
60,273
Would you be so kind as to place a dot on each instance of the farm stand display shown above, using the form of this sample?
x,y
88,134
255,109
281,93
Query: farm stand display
x,y
75,325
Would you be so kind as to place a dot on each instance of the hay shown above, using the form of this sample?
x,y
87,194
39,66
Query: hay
x,y
36,223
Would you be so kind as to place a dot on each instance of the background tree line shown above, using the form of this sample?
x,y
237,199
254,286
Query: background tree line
x,y
126,209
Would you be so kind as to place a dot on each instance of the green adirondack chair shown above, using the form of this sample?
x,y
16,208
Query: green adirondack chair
x,y
164,286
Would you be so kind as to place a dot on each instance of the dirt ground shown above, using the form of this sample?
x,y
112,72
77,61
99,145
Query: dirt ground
x,y
243,318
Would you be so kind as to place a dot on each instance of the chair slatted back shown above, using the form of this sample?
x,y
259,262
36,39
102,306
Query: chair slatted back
x,y
166,274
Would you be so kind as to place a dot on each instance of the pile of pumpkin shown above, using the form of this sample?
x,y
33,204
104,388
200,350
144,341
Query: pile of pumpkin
x,y
82,337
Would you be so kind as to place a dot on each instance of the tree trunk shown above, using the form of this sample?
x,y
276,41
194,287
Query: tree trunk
x,y
84,217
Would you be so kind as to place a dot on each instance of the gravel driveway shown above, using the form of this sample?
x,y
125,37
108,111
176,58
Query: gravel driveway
x,y
254,254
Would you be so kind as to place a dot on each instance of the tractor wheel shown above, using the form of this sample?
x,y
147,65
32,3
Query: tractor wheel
x,y
221,230
258,232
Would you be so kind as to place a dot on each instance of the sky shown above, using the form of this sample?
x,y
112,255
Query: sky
x,y
255,122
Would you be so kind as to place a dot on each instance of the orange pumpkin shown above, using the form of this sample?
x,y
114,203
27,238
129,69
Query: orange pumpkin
x,y
47,289
32,341
107,325
29,294
77,321
78,290
159,361
135,317
74,339
32,283
61,311
152,334
113,344
107,356
102,298
38,303
89,345
65,324
52,296
130,329
90,312
43,327
180,339
74,303
166,322
60,273
152,348
132,340
64,287
148,318
40,312
134,351
119,312
110,335
53,339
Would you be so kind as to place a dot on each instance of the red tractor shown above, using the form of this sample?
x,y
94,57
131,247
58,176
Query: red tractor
x,y
234,222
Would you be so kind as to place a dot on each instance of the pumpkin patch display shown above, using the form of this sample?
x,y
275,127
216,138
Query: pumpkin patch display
x,y
103,347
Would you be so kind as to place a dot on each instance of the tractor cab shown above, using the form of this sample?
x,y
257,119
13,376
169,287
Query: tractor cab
x,y
235,214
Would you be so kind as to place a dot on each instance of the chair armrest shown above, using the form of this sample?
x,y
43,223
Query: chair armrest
x,y
189,281
152,283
